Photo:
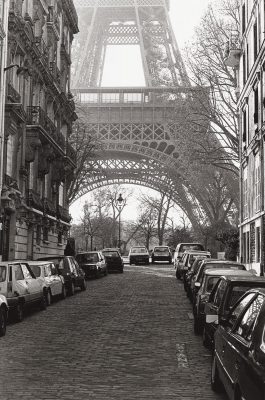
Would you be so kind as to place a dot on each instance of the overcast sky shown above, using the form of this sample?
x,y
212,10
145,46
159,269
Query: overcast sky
x,y
124,68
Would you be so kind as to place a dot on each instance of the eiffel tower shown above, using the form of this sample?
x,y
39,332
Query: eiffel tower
x,y
133,124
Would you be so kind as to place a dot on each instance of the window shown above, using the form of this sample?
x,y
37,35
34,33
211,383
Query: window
x,y
47,270
235,294
243,18
258,244
246,325
60,238
18,273
26,272
257,183
219,293
245,126
36,270
2,274
239,308
255,40
38,234
245,197
45,234
256,105
61,195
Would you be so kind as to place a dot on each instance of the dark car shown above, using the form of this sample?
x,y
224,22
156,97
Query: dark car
x,y
211,263
238,362
191,273
161,253
187,260
113,260
68,267
92,263
138,255
224,295
209,279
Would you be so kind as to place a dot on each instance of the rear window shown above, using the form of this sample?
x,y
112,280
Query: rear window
x,y
139,250
185,247
2,273
236,293
211,281
87,258
36,270
111,254
161,250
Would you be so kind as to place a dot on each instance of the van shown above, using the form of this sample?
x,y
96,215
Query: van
x,y
182,247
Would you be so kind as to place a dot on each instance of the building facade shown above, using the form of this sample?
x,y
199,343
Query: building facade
x,y
38,159
249,56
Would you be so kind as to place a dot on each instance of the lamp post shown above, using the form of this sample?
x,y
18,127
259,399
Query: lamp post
x,y
120,202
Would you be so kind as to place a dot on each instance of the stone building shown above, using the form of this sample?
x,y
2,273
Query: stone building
x,y
249,57
37,158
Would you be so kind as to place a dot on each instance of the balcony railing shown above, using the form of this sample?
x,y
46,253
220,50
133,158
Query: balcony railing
x,y
12,94
34,200
53,19
49,207
71,153
43,49
37,116
63,214
55,72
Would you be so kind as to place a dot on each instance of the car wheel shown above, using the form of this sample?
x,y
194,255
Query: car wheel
x,y
63,294
178,274
19,312
3,321
216,383
71,289
205,339
48,298
83,286
43,303
197,326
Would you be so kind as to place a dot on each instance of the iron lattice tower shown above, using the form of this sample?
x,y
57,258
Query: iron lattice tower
x,y
128,22
134,125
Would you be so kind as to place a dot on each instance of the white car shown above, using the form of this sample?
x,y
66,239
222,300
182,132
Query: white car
x,y
48,274
3,314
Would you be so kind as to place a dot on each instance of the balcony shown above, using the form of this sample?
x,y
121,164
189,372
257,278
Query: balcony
x,y
12,95
43,50
232,52
49,207
71,153
53,23
54,70
34,200
63,214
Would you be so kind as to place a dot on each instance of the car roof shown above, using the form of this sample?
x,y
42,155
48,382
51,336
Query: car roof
x,y
111,249
51,257
199,252
38,262
88,252
238,279
216,261
223,271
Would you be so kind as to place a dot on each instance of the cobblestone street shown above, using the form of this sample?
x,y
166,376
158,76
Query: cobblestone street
x,y
129,336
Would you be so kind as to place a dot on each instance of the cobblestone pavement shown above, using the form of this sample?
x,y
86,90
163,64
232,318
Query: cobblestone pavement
x,y
128,337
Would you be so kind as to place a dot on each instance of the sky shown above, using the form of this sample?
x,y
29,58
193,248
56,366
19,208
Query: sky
x,y
123,68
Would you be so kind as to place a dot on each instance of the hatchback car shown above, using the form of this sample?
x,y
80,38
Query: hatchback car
x,y
161,253
187,260
138,255
238,362
49,275
224,295
21,288
182,247
209,279
68,267
113,260
191,273
92,263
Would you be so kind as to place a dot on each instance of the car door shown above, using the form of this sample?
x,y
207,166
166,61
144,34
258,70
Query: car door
x,y
34,285
225,345
17,283
245,366
213,307
55,279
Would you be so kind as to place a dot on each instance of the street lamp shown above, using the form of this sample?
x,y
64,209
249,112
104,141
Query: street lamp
x,y
120,202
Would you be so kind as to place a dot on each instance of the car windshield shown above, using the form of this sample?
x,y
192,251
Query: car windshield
x,y
139,250
36,270
2,273
191,246
111,254
162,250
211,281
87,258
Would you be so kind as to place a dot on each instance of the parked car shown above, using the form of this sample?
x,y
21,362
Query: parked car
x,y
68,267
92,263
238,362
187,260
211,263
3,314
113,260
21,288
181,247
224,295
161,253
191,273
138,255
209,279
47,272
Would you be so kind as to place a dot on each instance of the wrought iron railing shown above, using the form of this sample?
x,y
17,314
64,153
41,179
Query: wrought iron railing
x,y
49,207
34,200
37,116
53,18
43,49
55,72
